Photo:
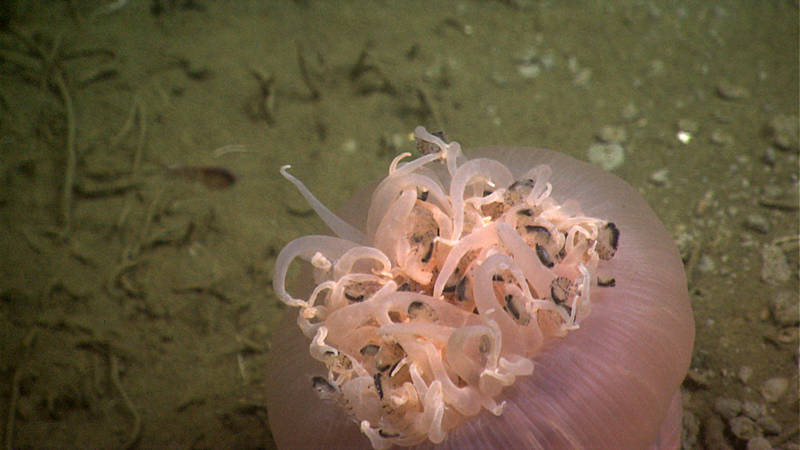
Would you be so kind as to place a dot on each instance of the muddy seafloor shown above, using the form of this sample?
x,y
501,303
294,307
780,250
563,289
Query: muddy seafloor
x,y
137,310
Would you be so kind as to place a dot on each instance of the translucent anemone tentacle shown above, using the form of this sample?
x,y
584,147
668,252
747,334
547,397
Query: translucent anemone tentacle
x,y
342,229
305,247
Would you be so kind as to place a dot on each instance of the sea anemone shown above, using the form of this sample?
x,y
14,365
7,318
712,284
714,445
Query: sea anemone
x,y
519,300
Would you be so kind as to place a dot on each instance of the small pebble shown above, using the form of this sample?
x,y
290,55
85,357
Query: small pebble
x,y
774,266
690,430
714,434
769,424
753,410
745,372
612,135
743,427
769,156
583,77
548,59
607,156
700,377
757,223
660,177
783,130
784,308
727,407
349,146
774,388
529,71
730,91
706,264
758,443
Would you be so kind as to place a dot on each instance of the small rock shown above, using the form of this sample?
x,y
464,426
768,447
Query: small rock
x,y
349,146
690,430
753,410
730,91
774,267
583,77
769,157
607,156
548,59
727,407
757,223
660,177
783,131
743,428
745,372
785,308
706,264
758,443
700,377
714,433
612,135
769,424
529,71
788,335
774,388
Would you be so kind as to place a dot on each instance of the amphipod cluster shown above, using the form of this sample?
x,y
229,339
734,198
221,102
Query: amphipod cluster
x,y
457,284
